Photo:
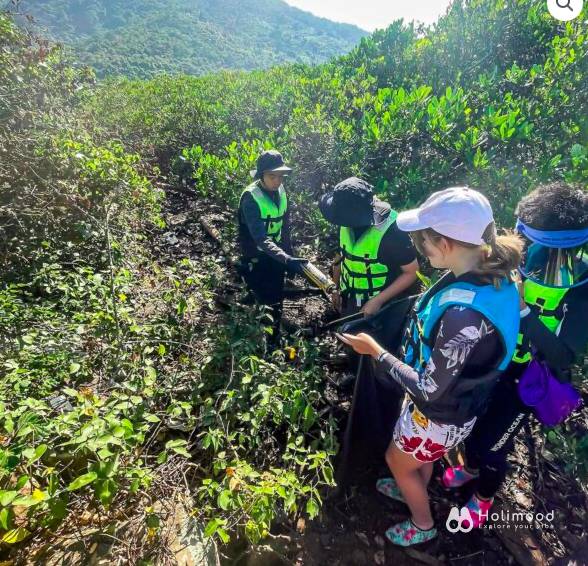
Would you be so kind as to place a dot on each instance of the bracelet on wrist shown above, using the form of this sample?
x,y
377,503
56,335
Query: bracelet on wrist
x,y
524,312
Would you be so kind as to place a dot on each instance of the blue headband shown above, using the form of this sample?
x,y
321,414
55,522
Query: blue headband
x,y
554,238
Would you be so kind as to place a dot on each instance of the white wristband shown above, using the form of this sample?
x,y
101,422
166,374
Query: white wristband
x,y
525,311
381,356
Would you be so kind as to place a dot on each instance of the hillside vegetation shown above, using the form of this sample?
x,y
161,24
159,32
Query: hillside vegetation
x,y
143,38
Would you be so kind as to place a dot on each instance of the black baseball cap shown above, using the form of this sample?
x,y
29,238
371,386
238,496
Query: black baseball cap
x,y
270,161
352,203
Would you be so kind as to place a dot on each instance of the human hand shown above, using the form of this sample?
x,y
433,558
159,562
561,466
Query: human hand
x,y
372,306
296,265
362,343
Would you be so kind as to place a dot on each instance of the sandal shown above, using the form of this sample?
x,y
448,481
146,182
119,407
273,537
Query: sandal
x,y
408,534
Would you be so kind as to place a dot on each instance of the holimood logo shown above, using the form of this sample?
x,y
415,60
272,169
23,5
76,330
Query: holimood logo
x,y
460,520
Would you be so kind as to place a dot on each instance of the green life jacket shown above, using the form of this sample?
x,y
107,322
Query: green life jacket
x,y
362,274
549,302
272,214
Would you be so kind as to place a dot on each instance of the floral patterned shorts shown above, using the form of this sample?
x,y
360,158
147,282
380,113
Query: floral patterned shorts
x,y
426,440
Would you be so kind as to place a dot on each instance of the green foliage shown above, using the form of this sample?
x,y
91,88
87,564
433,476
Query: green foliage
x,y
57,184
226,175
152,377
104,351
570,449
268,447
502,121
70,439
144,38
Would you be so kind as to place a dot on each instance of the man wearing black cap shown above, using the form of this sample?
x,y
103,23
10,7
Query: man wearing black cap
x,y
264,234
377,261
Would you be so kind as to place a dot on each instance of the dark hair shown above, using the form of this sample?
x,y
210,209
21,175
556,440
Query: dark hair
x,y
555,206
499,256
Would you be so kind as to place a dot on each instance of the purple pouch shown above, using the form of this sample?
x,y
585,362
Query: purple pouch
x,y
552,400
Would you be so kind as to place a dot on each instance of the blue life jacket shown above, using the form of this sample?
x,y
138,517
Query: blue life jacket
x,y
468,395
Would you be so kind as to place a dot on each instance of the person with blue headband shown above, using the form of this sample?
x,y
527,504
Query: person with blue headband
x,y
553,220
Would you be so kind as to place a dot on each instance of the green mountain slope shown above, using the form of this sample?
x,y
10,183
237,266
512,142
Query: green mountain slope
x,y
142,38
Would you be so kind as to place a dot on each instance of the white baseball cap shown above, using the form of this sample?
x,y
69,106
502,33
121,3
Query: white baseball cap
x,y
458,212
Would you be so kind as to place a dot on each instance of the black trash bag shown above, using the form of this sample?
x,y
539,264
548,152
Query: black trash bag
x,y
377,398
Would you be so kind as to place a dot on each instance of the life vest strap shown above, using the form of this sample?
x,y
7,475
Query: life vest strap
x,y
363,259
272,219
557,312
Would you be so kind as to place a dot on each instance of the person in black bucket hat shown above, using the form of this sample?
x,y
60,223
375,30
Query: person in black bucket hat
x,y
377,262
264,235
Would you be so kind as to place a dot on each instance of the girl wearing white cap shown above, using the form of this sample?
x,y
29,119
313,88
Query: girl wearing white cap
x,y
461,336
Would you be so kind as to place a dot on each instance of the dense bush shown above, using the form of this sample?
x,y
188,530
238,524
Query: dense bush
x,y
109,355
145,38
492,96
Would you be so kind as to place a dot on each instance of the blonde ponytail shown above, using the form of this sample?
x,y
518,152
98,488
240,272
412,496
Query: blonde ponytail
x,y
501,255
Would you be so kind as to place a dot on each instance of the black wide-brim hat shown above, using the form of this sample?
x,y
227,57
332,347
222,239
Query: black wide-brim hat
x,y
270,161
352,203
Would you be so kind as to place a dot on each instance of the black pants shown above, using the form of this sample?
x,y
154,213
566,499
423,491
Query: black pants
x,y
492,438
264,277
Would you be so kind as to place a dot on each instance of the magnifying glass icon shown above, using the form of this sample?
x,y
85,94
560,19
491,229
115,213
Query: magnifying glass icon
x,y
564,4
565,10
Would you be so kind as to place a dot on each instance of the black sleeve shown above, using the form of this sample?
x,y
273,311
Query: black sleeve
x,y
463,335
287,233
549,347
396,248
252,218
560,351
574,327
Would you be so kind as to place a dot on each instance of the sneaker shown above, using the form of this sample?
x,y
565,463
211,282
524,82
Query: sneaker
x,y
479,510
457,476
389,488
408,534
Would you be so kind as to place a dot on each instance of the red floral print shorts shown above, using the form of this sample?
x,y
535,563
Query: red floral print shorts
x,y
424,439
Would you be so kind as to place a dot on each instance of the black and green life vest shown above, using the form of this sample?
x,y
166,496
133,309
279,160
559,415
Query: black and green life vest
x,y
550,306
272,214
362,275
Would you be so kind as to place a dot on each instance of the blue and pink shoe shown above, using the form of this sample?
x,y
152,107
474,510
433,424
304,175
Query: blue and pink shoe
x,y
479,510
408,534
457,476
389,488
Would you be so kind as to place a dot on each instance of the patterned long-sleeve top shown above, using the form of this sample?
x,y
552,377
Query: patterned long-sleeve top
x,y
465,341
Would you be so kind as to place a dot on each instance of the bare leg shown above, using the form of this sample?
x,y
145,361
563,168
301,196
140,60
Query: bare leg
x,y
409,477
426,472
